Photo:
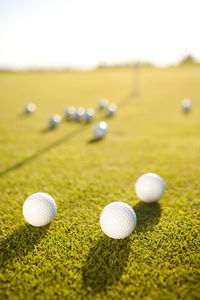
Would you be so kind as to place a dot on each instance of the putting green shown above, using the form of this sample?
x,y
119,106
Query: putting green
x,y
71,258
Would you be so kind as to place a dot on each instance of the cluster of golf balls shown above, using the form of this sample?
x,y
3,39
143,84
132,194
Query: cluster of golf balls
x,y
79,114
87,115
117,219
110,109
100,129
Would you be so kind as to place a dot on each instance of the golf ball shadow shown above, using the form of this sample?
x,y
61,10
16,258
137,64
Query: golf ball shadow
x,y
148,215
95,140
20,242
105,264
47,129
24,116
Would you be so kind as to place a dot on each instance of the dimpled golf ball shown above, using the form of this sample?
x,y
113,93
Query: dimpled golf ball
x,y
100,130
111,110
39,209
186,105
89,114
149,187
103,104
118,220
30,108
70,112
80,114
54,121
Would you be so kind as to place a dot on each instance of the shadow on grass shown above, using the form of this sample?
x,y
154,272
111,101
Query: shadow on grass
x,y
148,215
42,151
48,129
95,140
52,129
110,116
20,243
24,115
126,101
186,113
108,258
105,264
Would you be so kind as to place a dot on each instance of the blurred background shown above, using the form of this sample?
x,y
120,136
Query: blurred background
x,y
85,34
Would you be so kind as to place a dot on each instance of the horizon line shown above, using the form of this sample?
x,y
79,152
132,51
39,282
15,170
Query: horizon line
x,y
189,59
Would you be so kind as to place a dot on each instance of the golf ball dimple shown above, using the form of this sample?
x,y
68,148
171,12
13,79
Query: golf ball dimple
x,y
103,104
39,209
100,130
186,105
80,113
70,112
54,121
149,187
118,220
30,108
111,110
89,114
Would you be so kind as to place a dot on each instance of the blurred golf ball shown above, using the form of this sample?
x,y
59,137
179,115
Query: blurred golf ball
x,y
103,104
149,187
70,112
80,114
186,105
89,114
111,110
100,130
30,108
54,121
39,209
118,220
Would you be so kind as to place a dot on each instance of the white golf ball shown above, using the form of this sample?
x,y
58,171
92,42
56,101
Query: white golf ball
x,y
70,112
54,121
89,114
186,105
80,113
111,110
149,187
30,108
118,220
103,104
100,130
39,209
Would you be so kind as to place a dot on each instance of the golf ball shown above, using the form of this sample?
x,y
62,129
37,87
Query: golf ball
x,y
186,105
70,112
118,220
54,121
39,209
89,114
80,114
100,130
103,104
149,187
111,110
30,108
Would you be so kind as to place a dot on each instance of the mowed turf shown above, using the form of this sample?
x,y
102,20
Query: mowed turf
x,y
71,258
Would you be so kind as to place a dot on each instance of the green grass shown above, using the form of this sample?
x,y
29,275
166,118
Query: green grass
x,y
71,258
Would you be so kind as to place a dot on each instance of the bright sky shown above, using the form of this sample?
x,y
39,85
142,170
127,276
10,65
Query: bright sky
x,y
84,33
